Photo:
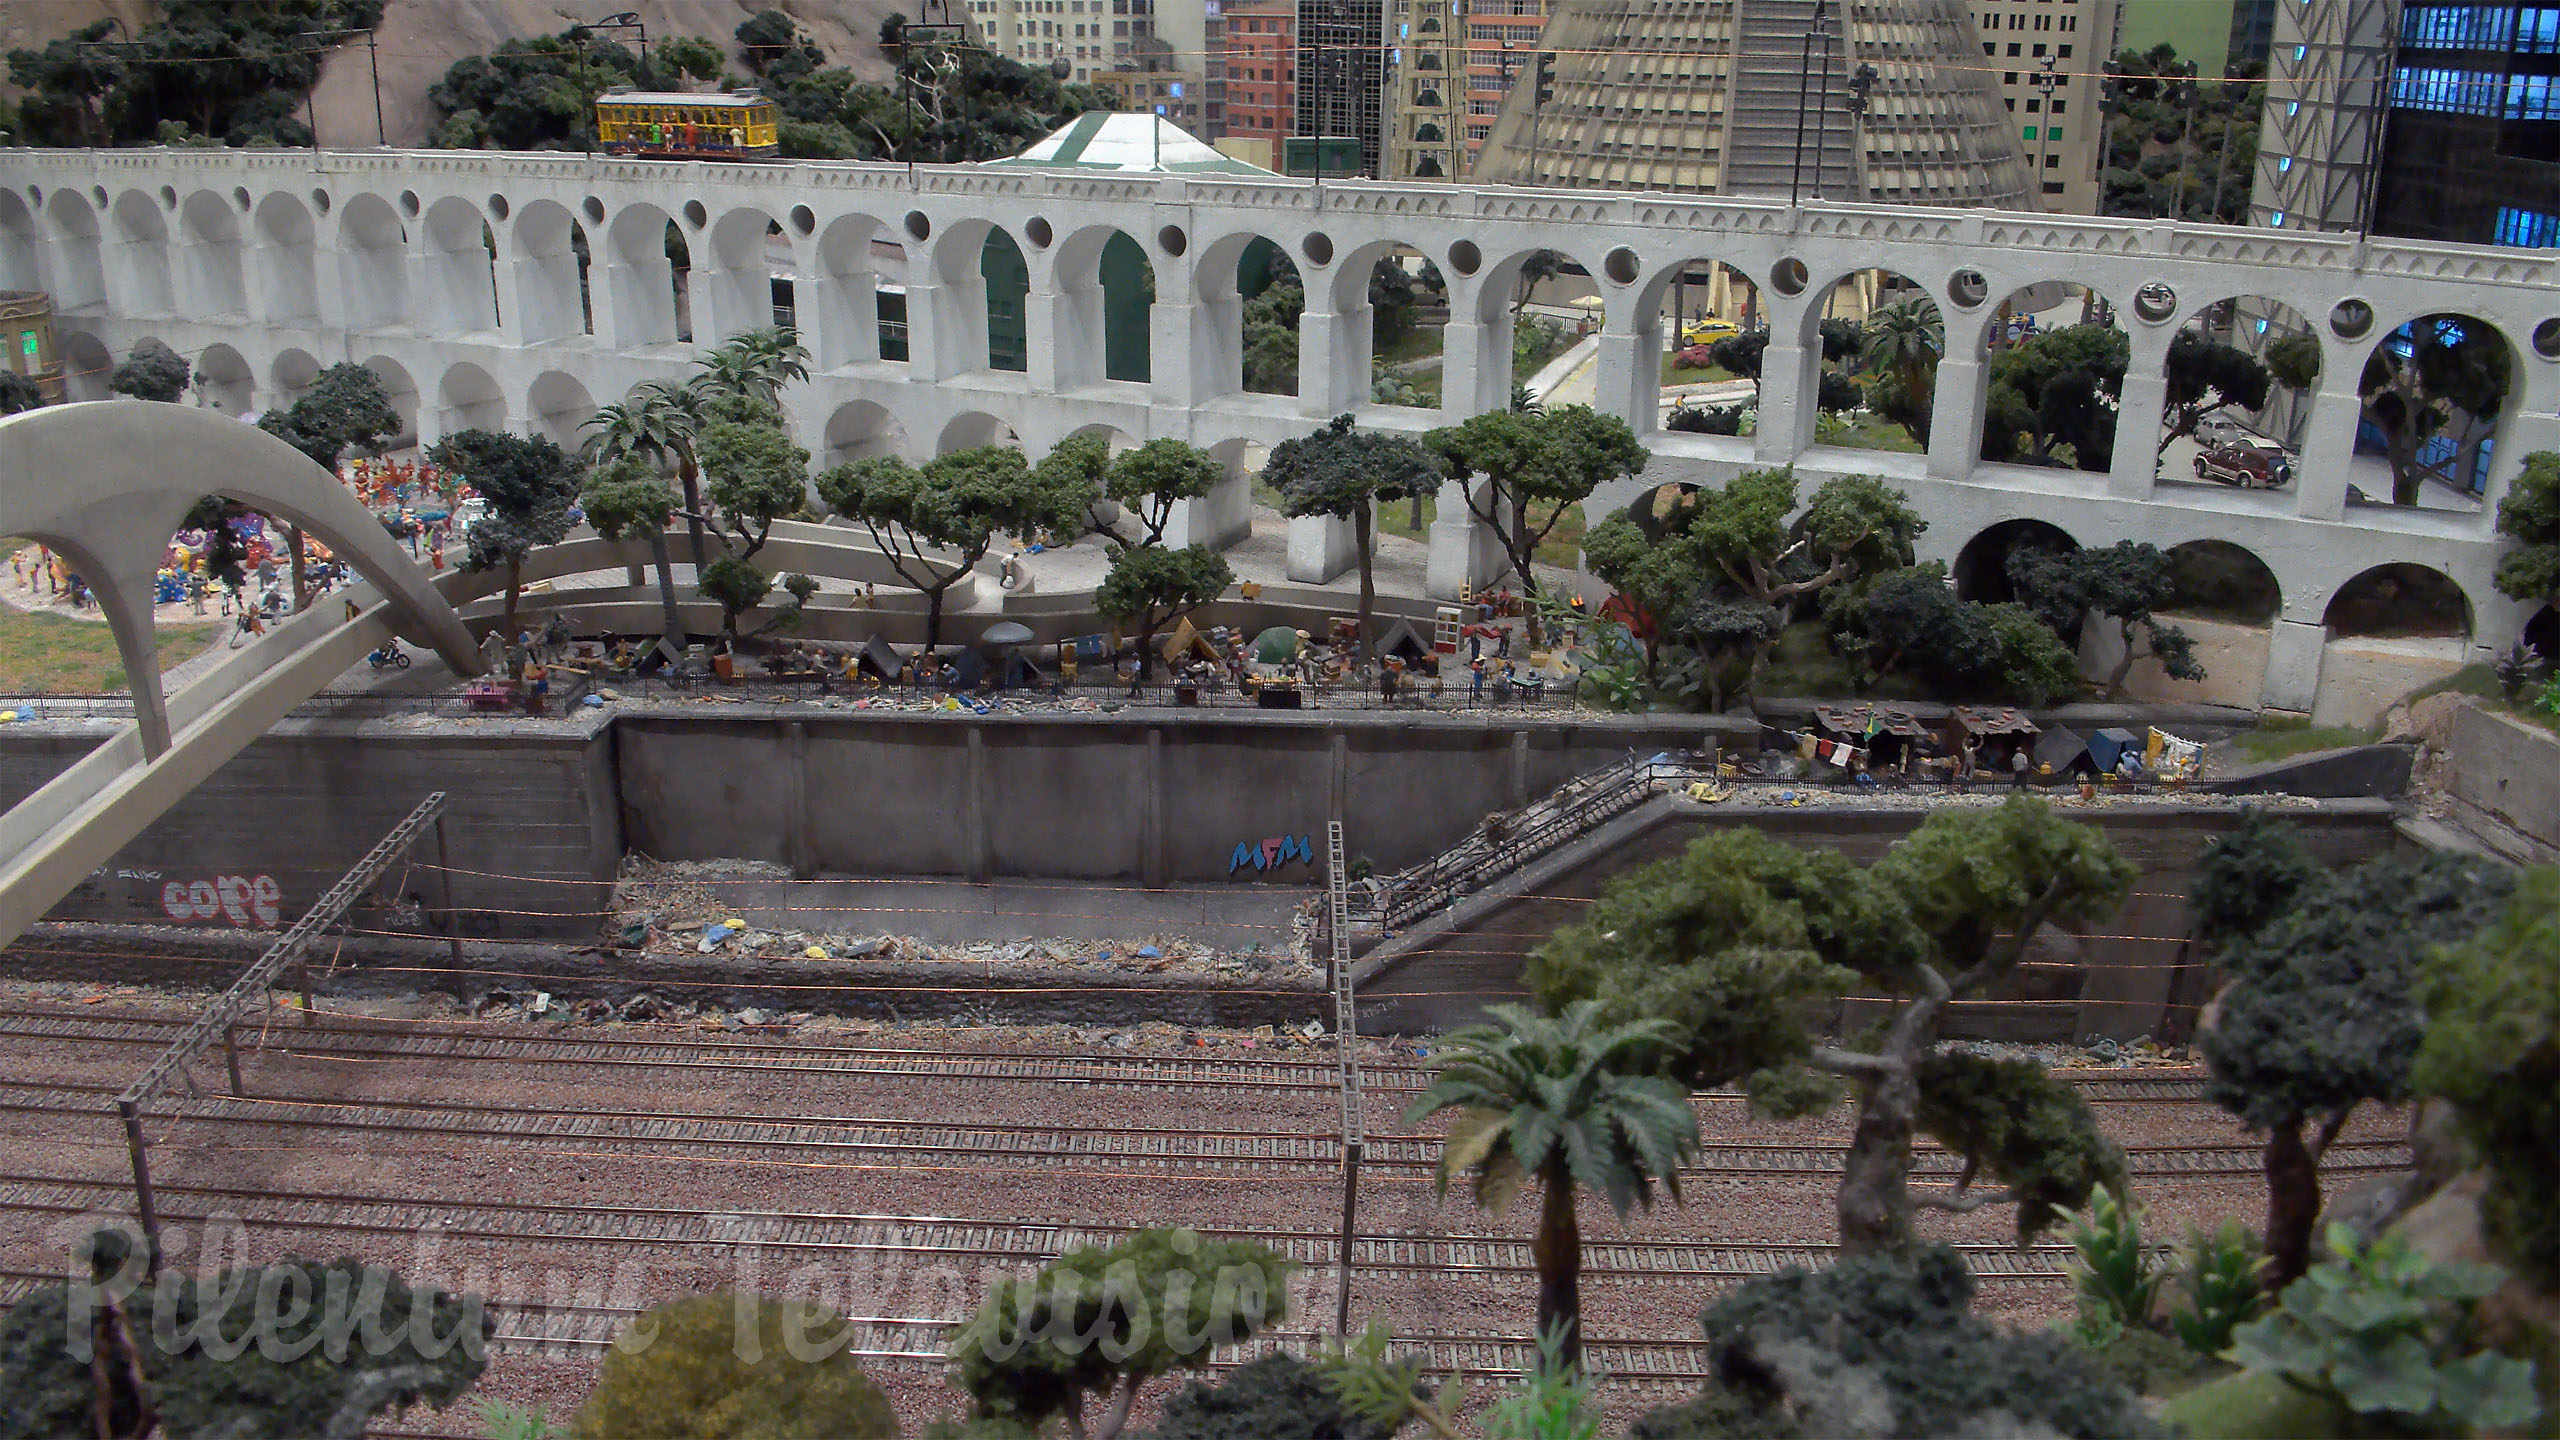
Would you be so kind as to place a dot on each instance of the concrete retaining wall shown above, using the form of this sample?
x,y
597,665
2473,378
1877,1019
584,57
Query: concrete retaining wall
x,y
2509,768
2234,659
2360,678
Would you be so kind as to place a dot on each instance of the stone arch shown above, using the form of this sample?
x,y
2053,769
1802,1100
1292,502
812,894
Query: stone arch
x,y
2399,600
2218,580
1835,332
291,374
557,404
1704,294
861,430
471,399
844,311
209,254
2388,630
551,258
1105,287
2013,435
143,282
116,523
1366,335
373,264
401,389
1980,572
460,264
1659,510
1504,290
224,381
2450,468
739,287
86,364
640,281
78,274
20,244
972,428
288,260
1232,272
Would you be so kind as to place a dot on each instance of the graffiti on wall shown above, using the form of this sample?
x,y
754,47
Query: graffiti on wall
x,y
243,900
1272,852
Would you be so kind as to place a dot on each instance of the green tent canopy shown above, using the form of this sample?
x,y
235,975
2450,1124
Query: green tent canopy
x,y
1276,646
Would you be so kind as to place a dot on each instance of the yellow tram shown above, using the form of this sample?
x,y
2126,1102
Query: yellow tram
x,y
679,125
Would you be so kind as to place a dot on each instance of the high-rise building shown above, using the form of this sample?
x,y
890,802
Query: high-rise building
x,y
2472,149
2052,57
2320,130
1730,97
1426,103
1262,69
1090,35
1342,72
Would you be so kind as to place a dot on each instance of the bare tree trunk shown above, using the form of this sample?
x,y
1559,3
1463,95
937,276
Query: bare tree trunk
x,y
1360,535
301,587
673,618
2293,1205
507,617
1557,1249
1875,1194
691,477
2124,662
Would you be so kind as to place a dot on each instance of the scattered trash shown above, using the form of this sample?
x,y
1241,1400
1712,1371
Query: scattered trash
x,y
814,952
1149,952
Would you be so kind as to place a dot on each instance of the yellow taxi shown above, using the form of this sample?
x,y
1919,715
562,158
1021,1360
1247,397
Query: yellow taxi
x,y
1707,330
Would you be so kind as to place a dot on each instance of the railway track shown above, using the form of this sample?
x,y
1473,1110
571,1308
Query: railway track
x,y
818,1238
1217,1153
342,1041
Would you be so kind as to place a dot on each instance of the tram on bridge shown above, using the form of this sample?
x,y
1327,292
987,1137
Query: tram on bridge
x,y
682,125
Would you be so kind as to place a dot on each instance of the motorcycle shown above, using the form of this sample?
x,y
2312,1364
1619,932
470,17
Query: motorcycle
x,y
389,657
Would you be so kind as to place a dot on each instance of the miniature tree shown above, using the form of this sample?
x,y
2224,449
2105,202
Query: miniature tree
x,y
1151,587
152,371
1565,1102
724,1366
1100,1323
2205,376
755,476
114,1355
626,498
2056,391
2250,876
2493,1049
958,503
1079,463
1550,459
2529,517
18,393
1660,578
1736,940
1856,525
2294,361
1149,479
657,423
754,364
2127,583
2455,377
2320,1016
529,484
1344,473
1902,343
1722,631
345,409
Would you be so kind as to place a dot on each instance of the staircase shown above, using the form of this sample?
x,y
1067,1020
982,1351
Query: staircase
x,y
1768,73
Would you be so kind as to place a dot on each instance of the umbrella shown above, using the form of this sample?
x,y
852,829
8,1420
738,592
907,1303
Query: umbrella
x,y
1276,646
1007,632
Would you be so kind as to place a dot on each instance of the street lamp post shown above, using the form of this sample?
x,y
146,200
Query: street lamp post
x,y
2045,82
1820,34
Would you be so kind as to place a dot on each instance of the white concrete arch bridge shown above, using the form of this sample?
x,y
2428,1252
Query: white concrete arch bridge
x,y
519,290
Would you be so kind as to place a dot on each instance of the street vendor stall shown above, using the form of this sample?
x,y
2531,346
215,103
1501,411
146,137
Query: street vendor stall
x,y
1992,733
1890,736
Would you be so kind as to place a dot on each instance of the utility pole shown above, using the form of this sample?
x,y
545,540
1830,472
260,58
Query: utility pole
x,y
1819,34
373,58
2045,81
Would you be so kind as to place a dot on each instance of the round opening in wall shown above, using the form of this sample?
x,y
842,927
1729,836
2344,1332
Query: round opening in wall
x,y
1622,267
409,202
2155,302
695,215
1789,276
2349,319
240,196
1037,231
99,194
1967,288
804,219
320,201
1465,258
35,195
1172,241
2546,339
168,197
918,226
497,207
1318,248
595,210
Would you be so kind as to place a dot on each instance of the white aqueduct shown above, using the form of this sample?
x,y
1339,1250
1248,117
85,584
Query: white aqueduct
x,y
517,290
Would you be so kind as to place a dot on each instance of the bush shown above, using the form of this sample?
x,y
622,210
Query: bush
x,y
2217,1273
1278,1397
1887,1345
2112,1275
722,1366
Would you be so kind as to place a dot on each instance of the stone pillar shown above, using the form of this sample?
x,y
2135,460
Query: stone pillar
x,y
2328,448
1470,376
1219,519
946,332
1464,549
2134,471
637,305
1955,418
1628,377
1153,871
1786,403
1179,355
1320,548
840,317
2293,666
509,299
535,305
1333,360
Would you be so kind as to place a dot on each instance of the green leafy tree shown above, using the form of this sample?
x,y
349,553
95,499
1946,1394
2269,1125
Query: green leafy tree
x,y
535,93
1151,586
2321,1017
1278,1397
658,423
2178,147
2452,384
956,504
2492,1048
754,365
776,49
1569,1102
1081,464
1912,616
1662,579
1902,343
2529,516
626,498
2249,877
529,483
113,1355
1347,474
1270,337
201,71
2126,584
1888,1345
1549,461
2294,361
1727,634
152,371
18,393
66,83
723,1366
1151,478
753,476
345,409
2035,667
1101,1323
1855,526
2053,397
690,57
2206,375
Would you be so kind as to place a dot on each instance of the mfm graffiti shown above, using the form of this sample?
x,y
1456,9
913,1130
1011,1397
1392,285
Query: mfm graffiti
x,y
1272,852
244,900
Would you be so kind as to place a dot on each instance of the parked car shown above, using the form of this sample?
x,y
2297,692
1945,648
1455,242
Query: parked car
x,y
2221,429
1707,330
2251,462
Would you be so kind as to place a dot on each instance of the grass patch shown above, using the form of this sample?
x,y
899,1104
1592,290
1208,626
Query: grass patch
x,y
2481,683
1867,432
49,655
2281,738
1675,373
1413,344
1803,665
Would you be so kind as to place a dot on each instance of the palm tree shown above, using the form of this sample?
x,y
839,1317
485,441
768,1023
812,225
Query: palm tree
x,y
755,363
657,421
1904,338
1570,1103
